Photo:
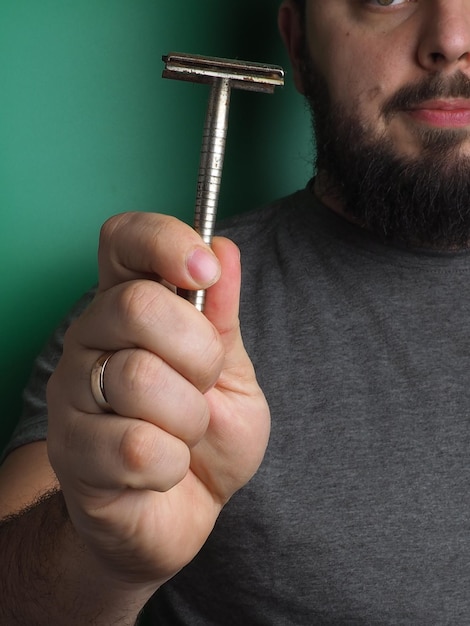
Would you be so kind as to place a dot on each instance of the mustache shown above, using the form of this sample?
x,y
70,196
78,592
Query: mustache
x,y
430,88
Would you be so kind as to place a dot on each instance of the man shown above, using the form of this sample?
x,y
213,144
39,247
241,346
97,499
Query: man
x,y
353,310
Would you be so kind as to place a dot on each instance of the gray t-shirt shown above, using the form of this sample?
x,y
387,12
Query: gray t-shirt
x,y
359,513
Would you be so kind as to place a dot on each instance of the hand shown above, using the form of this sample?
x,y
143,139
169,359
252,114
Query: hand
x,y
144,486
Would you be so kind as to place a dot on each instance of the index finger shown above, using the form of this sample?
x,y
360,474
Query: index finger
x,y
156,246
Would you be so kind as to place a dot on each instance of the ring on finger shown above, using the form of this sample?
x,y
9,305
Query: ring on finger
x,y
97,382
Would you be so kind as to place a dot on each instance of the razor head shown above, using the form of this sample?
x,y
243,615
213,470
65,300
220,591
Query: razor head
x,y
242,74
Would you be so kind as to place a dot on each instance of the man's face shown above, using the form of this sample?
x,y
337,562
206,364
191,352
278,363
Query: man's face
x,y
388,81
379,58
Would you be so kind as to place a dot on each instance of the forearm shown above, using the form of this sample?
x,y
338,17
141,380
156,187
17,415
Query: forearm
x,y
48,577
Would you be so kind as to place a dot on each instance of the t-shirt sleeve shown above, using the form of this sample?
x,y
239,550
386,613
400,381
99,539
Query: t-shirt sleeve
x,y
32,425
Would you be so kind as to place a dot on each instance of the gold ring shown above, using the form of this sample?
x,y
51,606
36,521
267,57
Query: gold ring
x,y
97,382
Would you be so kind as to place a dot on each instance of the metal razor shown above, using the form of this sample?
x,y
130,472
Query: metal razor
x,y
222,75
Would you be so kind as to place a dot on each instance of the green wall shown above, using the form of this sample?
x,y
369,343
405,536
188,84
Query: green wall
x,y
88,129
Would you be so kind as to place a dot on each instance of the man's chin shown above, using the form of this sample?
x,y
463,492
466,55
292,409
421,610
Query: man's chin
x,y
422,201
411,139
433,139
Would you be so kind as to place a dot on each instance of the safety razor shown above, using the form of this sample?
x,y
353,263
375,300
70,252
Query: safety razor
x,y
221,75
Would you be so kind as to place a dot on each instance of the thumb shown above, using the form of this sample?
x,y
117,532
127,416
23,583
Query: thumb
x,y
236,439
223,299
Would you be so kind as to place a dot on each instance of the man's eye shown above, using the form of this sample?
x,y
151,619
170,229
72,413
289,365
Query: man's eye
x,y
387,3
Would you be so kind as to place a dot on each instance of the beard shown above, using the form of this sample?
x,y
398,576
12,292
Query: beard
x,y
420,201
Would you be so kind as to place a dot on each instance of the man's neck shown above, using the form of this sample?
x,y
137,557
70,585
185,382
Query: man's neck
x,y
329,195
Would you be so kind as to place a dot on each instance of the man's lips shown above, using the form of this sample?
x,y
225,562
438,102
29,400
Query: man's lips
x,y
453,113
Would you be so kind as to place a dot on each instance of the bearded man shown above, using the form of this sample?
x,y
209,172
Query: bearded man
x,y
175,489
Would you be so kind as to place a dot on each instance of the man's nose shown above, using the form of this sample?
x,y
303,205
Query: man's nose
x,y
445,37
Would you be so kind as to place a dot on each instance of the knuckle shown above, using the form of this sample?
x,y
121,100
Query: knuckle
x,y
147,377
144,448
141,373
140,303
108,230
167,228
162,230
136,448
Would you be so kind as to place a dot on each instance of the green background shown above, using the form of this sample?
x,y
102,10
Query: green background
x,y
88,128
